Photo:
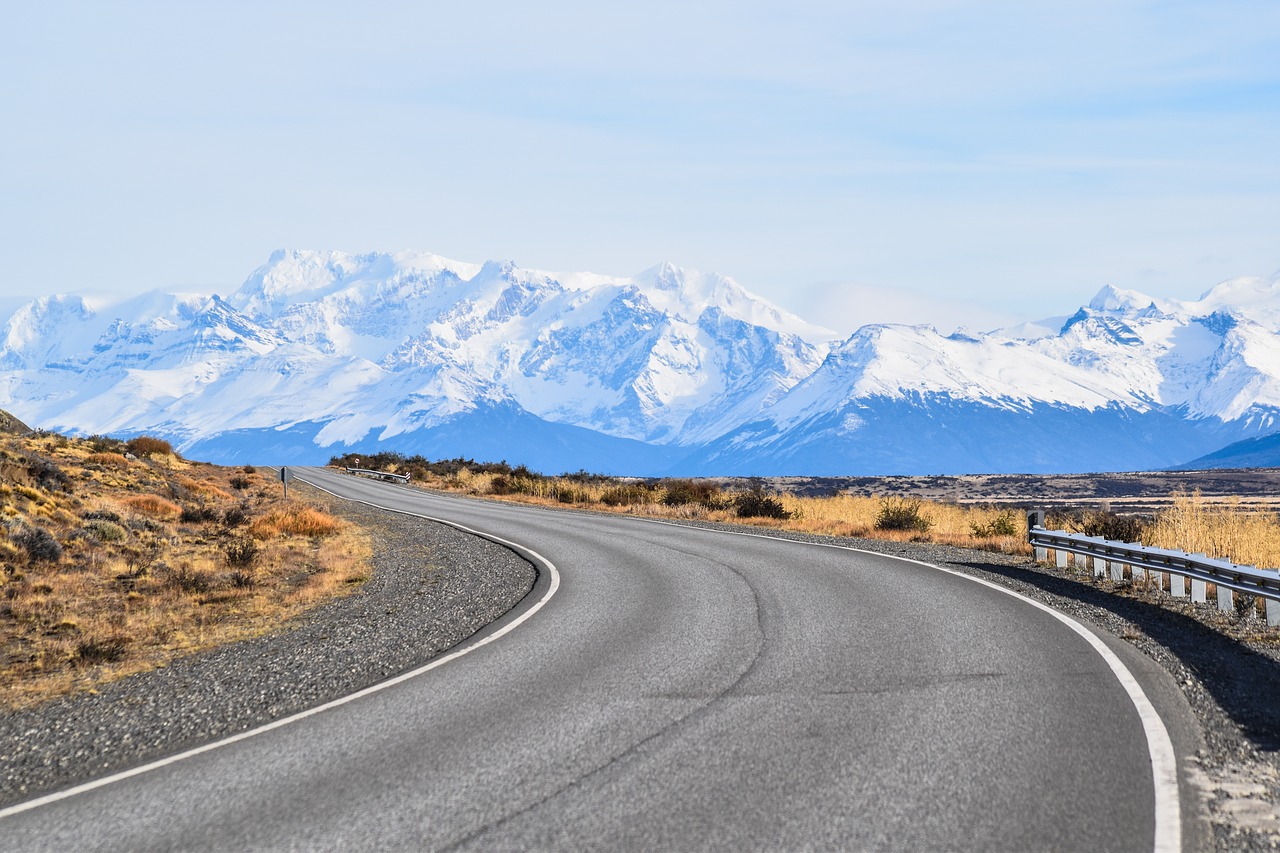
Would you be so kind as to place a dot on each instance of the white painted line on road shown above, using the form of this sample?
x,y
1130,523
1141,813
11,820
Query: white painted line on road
x,y
1164,763
359,694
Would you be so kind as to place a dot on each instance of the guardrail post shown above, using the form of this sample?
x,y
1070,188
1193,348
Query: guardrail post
x,y
1177,585
1035,519
1099,567
1136,572
1273,612
1117,571
1199,591
1224,599
1061,554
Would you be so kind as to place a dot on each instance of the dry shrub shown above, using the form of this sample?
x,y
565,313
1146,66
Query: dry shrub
x,y
146,445
153,506
203,487
107,460
296,521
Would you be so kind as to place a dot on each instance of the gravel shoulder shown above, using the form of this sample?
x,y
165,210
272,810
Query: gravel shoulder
x,y
431,588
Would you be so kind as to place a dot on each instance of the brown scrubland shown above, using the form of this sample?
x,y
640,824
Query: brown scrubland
x,y
116,557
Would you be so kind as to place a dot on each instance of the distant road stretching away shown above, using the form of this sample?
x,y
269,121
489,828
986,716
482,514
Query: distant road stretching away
x,y
688,689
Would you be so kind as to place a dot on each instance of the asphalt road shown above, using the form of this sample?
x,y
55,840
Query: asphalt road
x,y
684,689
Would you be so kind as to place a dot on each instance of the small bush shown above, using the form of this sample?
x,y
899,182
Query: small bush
x,y
96,650
145,445
153,505
102,515
682,492
106,444
249,469
106,531
240,552
243,579
1108,525
188,579
234,517
240,483
48,476
1004,524
902,514
198,514
754,503
39,544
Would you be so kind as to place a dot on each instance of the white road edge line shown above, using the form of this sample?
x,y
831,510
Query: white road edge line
x,y
302,715
1164,763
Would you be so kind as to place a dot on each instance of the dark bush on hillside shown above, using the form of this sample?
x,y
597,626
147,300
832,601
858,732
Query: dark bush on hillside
x,y
146,445
240,483
39,544
198,514
48,476
902,514
234,517
101,515
240,553
106,444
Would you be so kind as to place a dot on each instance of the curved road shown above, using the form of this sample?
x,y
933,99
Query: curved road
x,y
684,689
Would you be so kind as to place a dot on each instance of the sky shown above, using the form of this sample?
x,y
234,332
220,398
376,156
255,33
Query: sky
x,y
957,163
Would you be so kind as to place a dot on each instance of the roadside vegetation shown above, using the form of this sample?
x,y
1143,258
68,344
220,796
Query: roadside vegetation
x,y
1231,529
116,557
744,502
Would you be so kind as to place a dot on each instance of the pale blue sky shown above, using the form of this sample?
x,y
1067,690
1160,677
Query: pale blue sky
x,y
864,161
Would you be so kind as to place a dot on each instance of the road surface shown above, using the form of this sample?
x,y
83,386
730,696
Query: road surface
x,y
681,688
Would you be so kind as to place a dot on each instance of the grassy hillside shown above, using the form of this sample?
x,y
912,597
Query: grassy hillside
x,y
115,558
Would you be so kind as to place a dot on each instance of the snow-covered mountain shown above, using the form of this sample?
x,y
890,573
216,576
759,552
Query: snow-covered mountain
x,y
326,350
1127,382
666,371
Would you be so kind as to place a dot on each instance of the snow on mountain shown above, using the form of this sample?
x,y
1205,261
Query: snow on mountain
x,y
376,346
668,370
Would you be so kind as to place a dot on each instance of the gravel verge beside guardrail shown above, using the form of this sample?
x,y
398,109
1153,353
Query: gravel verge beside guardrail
x,y
431,588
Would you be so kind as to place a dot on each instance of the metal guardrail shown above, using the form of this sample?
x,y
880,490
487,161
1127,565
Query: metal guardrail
x,y
381,475
1227,576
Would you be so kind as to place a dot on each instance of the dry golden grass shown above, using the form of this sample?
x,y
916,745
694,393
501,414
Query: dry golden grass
x,y
295,521
108,460
967,526
140,579
1229,530
152,505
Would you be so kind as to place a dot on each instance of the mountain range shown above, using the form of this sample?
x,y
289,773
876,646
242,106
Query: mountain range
x,y
669,371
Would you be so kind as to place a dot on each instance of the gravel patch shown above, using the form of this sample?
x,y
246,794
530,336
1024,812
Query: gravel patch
x,y
431,588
